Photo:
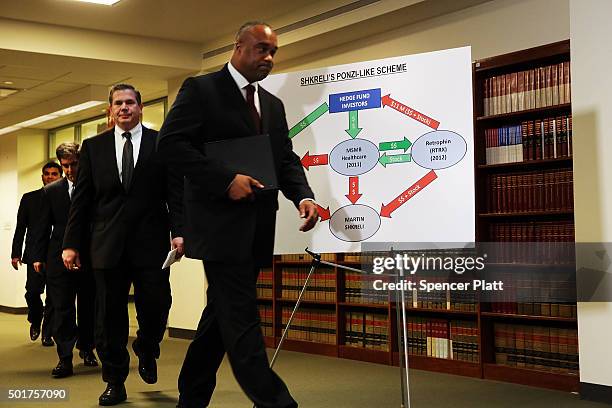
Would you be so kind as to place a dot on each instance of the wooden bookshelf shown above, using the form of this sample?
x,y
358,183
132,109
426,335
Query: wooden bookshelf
x,y
545,163
473,330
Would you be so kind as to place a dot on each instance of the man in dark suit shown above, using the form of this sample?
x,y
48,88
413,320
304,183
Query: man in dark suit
x,y
64,285
133,204
27,216
228,223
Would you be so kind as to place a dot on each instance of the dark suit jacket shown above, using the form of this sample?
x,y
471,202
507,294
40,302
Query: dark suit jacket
x,y
209,108
27,215
135,224
49,236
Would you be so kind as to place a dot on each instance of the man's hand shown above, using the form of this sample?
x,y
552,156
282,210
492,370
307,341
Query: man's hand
x,y
308,210
241,188
16,262
71,259
178,244
38,266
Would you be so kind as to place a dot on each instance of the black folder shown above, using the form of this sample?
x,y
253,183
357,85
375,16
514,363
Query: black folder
x,y
251,156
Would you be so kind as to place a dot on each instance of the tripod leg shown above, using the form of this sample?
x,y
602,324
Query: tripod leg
x,y
400,297
297,305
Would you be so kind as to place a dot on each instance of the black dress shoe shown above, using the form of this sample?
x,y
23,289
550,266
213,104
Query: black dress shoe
x,y
63,369
113,395
147,366
34,331
47,341
89,358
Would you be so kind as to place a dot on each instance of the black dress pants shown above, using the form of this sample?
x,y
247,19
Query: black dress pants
x,y
37,313
72,325
152,299
230,324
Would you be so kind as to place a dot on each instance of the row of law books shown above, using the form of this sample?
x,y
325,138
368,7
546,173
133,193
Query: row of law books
x,y
309,324
549,292
321,286
539,139
460,300
359,288
552,349
266,316
530,191
540,308
366,330
530,89
441,338
306,257
531,231
264,283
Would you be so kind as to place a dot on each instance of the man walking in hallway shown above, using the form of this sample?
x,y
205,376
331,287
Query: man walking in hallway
x,y
228,223
64,286
27,215
133,204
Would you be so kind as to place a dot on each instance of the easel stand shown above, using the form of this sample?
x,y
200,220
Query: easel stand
x,y
401,319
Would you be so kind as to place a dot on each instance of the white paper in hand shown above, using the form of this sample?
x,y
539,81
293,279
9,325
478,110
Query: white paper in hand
x,y
171,258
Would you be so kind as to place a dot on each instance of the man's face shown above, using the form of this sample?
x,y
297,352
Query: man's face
x,y
49,175
125,109
71,167
254,53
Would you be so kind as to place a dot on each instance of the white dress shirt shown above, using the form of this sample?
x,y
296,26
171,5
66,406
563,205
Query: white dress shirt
x,y
241,83
70,188
136,133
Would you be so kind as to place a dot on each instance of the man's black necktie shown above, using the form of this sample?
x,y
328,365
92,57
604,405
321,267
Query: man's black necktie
x,y
127,161
250,93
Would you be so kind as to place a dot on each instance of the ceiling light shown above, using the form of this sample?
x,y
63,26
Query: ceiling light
x,y
4,92
49,116
8,82
105,2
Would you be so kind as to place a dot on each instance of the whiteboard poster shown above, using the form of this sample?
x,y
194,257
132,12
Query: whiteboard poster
x,y
387,147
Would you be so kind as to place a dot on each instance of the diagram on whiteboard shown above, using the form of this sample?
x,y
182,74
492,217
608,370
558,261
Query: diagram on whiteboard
x,y
387,153
435,149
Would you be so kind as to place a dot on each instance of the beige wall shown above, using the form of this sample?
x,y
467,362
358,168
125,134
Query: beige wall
x,y
11,289
592,110
22,155
487,28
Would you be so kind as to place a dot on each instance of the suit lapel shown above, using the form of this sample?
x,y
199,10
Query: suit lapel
x,y
65,194
234,97
147,146
109,143
264,107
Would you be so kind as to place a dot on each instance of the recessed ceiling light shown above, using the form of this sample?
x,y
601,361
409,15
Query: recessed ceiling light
x,y
4,92
8,82
105,2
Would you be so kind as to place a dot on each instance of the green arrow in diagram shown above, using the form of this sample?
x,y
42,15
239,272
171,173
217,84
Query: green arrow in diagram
x,y
398,144
354,128
312,116
396,158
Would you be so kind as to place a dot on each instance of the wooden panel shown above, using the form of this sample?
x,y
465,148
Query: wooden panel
x,y
555,381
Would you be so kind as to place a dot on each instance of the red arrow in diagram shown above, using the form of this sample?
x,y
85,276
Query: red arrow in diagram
x,y
323,212
386,210
411,113
353,194
315,160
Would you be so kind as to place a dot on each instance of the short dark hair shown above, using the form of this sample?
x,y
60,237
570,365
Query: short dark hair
x,y
67,151
53,165
122,87
248,25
